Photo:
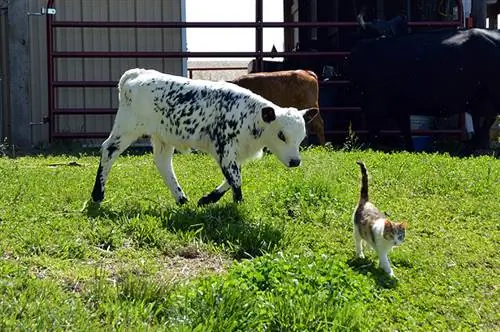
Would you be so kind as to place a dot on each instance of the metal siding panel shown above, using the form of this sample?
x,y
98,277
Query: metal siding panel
x,y
96,39
38,86
149,39
70,39
122,39
85,39
172,37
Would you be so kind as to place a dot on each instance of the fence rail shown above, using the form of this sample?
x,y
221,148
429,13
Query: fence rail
x,y
53,54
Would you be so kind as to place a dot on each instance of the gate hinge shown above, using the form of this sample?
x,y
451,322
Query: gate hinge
x,y
43,11
45,120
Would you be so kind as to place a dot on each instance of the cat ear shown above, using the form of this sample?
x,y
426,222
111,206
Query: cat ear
x,y
387,225
404,225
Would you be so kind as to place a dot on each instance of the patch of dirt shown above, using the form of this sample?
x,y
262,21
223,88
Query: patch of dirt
x,y
189,263
184,268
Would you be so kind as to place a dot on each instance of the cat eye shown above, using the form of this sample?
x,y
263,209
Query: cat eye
x,y
281,136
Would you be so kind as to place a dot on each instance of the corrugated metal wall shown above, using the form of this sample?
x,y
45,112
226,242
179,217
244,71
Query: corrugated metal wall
x,y
4,64
96,39
3,71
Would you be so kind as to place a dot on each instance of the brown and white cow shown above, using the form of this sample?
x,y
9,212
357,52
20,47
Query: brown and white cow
x,y
288,88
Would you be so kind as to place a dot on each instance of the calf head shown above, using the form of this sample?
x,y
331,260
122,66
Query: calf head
x,y
284,130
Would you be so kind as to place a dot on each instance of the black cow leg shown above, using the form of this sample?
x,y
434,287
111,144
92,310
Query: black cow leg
x,y
404,124
483,133
408,142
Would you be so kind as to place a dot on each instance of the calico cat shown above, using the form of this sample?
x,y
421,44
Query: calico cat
x,y
374,228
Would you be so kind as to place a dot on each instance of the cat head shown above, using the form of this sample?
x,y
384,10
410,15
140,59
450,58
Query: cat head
x,y
395,231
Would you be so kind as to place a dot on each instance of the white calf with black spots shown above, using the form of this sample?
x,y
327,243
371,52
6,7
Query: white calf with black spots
x,y
222,119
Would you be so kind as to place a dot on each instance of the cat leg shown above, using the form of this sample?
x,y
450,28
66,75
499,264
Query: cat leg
x,y
385,264
358,241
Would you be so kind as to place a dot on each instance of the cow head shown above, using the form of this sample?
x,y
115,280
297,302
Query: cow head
x,y
394,27
284,130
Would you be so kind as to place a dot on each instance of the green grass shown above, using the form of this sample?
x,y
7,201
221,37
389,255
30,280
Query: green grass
x,y
281,261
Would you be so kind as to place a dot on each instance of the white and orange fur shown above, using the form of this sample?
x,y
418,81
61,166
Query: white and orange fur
x,y
373,227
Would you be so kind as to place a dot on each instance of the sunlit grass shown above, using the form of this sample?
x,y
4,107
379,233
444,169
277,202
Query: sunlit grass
x,y
282,260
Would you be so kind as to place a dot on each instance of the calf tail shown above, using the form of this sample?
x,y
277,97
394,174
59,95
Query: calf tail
x,y
124,94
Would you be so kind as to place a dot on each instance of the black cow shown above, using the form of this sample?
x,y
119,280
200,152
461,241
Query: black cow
x,y
438,72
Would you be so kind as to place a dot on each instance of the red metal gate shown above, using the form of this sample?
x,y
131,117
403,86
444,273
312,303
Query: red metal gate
x,y
53,55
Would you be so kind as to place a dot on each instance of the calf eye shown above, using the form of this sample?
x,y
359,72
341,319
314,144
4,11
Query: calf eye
x,y
281,136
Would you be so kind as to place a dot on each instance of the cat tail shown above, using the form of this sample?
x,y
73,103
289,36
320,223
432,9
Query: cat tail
x,y
364,181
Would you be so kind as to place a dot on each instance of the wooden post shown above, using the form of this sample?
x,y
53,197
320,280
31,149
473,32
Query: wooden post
x,y
19,74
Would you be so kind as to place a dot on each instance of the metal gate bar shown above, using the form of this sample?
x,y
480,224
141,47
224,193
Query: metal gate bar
x,y
258,54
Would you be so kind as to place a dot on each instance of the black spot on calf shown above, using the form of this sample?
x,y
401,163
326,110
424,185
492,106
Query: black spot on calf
x,y
268,114
112,148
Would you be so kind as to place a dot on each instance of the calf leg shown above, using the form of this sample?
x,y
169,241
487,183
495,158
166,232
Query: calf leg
x,y
111,149
163,154
215,195
232,174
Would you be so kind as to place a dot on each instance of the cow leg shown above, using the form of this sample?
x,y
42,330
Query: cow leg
x,y
111,149
490,112
483,132
232,174
215,195
374,110
373,123
404,124
473,143
373,129
487,109
163,155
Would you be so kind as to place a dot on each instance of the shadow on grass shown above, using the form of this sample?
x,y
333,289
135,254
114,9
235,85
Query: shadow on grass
x,y
229,225
367,267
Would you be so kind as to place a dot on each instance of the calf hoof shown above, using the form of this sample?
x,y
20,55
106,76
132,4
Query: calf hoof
x,y
238,200
182,200
90,207
237,195
213,197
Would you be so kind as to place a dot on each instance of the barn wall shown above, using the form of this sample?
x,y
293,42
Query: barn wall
x,y
3,75
95,39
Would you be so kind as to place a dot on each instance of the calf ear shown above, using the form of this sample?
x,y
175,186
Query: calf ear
x,y
268,114
309,114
